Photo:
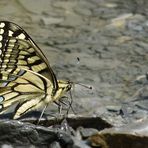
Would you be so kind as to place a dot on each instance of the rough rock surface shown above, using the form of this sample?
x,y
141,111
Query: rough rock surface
x,y
101,43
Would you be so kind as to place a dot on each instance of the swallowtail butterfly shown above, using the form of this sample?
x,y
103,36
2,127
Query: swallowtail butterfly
x,y
26,77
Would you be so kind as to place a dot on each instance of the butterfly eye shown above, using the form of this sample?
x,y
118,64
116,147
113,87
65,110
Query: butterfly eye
x,y
68,87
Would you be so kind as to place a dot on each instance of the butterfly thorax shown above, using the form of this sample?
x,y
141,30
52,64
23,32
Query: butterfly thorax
x,y
63,87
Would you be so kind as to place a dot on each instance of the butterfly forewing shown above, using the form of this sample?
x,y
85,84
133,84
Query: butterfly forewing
x,y
23,56
18,50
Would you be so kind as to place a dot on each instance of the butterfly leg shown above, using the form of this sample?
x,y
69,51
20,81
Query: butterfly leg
x,y
70,103
42,114
59,106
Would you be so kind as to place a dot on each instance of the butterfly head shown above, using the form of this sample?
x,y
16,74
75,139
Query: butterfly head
x,y
63,87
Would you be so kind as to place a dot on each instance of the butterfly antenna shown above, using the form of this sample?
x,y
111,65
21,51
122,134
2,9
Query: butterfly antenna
x,y
89,87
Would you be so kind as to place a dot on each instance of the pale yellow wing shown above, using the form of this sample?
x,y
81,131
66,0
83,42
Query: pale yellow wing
x,y
18,50
29,89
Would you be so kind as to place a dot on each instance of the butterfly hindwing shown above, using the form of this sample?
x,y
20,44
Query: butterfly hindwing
x,y
31,89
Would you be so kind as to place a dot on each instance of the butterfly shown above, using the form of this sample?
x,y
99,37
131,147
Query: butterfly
x,y
26,77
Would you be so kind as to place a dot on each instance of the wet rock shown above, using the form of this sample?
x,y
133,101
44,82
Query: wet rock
x,y
113,108
55,145
132,135
67,5
70,20
83,11
18,133
51,20
87,132
37,8
79,144
97,141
